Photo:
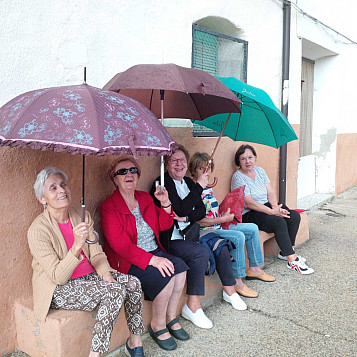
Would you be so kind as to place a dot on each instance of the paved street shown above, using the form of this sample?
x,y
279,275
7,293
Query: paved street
x,y
297,315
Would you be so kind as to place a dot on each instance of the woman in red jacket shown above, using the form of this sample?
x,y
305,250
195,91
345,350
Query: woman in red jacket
x,y
131,224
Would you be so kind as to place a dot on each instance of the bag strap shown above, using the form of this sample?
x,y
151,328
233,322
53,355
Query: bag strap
x,y
177,225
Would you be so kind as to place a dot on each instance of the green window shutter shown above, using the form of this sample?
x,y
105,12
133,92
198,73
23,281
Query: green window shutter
x,y
205,57
205,52
219,55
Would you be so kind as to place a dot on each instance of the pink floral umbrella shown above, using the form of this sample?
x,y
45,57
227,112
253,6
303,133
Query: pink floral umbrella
x,y
82,119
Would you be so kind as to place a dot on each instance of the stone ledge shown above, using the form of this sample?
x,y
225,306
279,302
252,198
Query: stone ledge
x,y
271,248
69,333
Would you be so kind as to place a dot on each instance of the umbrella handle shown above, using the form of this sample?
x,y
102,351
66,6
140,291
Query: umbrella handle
x,y
96,239
215,179
214,183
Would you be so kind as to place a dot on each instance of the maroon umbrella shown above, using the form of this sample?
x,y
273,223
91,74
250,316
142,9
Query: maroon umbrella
x,y
82,119
187,92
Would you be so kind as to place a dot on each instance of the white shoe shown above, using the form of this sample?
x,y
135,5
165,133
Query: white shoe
x,y
300,267
198,318
235,301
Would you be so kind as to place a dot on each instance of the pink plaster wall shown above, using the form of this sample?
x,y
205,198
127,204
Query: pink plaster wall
x,y
346,162
18,206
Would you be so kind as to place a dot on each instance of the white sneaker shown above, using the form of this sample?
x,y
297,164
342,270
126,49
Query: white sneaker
x,y
235,301
300,267
283,257
198,318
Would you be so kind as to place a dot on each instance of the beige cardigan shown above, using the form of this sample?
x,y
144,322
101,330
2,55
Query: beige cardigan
x,y
52,263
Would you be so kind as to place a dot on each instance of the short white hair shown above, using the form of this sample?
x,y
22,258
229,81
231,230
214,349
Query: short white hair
x,y
43,176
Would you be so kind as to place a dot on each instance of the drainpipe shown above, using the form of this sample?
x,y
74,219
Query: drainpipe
x,y
285,96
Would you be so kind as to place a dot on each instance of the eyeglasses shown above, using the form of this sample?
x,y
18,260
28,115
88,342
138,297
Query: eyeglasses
x,y
121,172
176,161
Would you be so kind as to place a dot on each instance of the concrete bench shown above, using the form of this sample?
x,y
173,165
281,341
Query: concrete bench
x,y
69,333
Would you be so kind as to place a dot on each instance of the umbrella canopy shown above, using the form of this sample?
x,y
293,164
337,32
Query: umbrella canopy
x,y
82,119
189,93
260,121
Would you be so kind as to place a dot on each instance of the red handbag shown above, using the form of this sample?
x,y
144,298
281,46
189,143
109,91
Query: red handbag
x,y
235,201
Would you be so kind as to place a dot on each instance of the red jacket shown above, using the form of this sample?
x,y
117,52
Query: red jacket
x,y
119,228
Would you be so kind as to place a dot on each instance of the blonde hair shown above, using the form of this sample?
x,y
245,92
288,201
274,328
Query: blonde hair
x,y
198,159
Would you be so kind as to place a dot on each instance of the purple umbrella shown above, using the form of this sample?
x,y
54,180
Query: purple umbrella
x,y
82,119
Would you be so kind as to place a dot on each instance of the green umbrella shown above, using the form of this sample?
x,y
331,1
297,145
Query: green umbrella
x,y
259,122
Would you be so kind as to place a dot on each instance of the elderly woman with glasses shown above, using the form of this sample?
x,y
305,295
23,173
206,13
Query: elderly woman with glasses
x,y
71,274
185,196
131,223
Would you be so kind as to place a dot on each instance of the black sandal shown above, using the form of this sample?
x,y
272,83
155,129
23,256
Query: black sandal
x,y
180,334
169,344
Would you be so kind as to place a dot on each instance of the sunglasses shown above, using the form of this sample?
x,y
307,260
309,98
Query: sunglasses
x,y
121,172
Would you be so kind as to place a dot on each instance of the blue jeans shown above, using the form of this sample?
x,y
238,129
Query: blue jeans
x,y
240,234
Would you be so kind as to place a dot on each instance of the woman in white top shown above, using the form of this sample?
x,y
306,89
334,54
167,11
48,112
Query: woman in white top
x,y
262,208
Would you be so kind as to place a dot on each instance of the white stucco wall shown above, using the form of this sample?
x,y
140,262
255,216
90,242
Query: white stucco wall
x,y
47,43
334,84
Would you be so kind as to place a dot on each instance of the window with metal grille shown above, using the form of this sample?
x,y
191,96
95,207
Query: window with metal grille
x,y
220,55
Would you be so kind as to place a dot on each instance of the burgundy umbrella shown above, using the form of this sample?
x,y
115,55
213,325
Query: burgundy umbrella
x,y
82,119
187,92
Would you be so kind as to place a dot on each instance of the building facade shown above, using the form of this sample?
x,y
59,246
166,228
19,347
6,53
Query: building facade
x,y
47,44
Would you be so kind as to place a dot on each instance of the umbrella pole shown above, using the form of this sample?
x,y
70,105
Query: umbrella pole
x,y
215,180
162,182
83,209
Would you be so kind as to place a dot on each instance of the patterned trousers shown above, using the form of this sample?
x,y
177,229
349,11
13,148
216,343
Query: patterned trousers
x,y
90,292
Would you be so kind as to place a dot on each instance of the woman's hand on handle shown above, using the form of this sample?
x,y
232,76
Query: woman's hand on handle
x,y
163,197
81,233
165,266
203,180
